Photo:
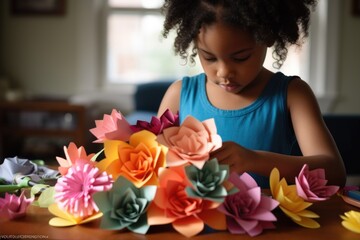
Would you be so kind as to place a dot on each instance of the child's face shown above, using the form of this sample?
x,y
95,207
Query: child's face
x,y
230,57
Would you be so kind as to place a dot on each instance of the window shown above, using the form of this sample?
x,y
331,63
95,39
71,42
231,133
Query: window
x,y
136,52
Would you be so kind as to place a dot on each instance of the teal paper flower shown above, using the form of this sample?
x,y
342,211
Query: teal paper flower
x,y
125,206
208,182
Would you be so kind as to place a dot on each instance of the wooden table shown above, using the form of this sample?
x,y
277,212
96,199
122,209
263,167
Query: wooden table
x,y
35,226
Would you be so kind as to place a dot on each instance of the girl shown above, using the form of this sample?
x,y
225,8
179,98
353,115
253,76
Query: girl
x,y
259,114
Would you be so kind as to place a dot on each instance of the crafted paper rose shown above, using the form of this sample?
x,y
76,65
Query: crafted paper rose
x,y
73,154
351,221
187,214
191,142
311,185
112,127
248,210
207,182
12,206
125,206
157,125
138,160
73,192
290,202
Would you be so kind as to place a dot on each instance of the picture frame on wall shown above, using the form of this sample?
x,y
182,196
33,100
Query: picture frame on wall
x,y
38,7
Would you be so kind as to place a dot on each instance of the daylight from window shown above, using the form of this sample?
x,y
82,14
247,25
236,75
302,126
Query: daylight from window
x,y
136,51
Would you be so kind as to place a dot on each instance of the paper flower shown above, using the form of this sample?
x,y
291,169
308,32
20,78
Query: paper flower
x,y
208,181
351,221
125,206
311,185
74,190
138,160
248,210
112,127
12,206
65,219
191,142
15,167
73,154
187,214
290,202
157,125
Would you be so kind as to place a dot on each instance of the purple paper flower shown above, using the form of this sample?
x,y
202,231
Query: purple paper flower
x,y
248,210
157,125
311,185
73,192
13,207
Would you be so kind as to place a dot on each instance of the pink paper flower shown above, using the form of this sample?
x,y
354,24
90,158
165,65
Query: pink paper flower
x,y
248,211
191,142
13,206
112,127
173,205
73,192
157,125
311,185
73,154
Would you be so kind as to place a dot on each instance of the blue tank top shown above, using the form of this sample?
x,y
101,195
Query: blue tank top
x,y
263,125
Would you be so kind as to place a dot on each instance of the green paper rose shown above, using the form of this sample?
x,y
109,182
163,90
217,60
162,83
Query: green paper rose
x,y
125,206
208,181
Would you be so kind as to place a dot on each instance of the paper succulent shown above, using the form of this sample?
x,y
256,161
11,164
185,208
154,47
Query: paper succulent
x,y
157,125
73,192
125,206
12,206
191,142
171,204
351,221
138,160
112,127
73,154
248,210
208,181
311,185
290,202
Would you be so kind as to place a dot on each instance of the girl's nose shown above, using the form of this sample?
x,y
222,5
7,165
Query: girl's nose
x,y
224,71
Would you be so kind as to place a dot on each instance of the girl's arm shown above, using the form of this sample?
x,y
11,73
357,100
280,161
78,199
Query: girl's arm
x,y
316,143
171,99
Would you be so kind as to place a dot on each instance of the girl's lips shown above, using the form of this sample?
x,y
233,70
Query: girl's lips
x,y
229,87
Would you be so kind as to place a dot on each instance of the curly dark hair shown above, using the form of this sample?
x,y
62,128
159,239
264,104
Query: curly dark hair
x,y
278,22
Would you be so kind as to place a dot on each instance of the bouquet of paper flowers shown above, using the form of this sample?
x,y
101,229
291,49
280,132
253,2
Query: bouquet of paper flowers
x,y
160,172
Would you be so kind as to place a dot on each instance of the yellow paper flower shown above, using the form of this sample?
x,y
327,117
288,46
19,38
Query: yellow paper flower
x,y
351,221
290,202
138,160
65,219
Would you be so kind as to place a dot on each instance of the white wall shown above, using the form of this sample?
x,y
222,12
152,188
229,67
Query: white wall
x,y
59,56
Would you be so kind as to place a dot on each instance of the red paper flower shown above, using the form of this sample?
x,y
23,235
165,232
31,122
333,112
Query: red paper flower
x,y
157,125
13,207
112,127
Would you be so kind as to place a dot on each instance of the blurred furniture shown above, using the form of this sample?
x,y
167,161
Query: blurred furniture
x,y
40,129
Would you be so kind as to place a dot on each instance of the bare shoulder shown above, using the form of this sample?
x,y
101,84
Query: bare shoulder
x,y
300,94
171,99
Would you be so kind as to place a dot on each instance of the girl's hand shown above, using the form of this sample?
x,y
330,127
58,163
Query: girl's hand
x,y
234,155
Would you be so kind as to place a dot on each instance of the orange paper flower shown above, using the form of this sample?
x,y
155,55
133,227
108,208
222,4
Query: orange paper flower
x,y
138,160
191,142
173,205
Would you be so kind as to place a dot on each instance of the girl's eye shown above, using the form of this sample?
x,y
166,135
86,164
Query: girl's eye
x,y
210,59
241,59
